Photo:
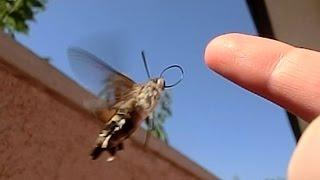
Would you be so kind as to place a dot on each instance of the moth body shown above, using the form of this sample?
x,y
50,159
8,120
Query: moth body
x,y
135,107
125,104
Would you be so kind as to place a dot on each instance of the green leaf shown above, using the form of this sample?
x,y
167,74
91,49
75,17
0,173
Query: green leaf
x,y
21,26
38,4
17,4
10,22
15,14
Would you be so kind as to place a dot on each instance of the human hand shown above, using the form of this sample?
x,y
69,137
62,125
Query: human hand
x,y
283,74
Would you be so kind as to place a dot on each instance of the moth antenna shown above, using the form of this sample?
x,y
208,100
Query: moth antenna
x,y
145,64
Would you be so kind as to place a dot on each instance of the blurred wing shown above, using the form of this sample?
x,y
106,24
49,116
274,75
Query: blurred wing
x,y
155,122
98,77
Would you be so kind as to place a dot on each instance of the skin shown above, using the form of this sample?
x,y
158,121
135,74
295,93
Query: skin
x,y
286,75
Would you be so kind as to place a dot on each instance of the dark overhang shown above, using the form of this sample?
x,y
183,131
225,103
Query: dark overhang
x,y
260,16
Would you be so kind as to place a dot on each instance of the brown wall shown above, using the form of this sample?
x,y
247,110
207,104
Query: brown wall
x,y
45,133
296,22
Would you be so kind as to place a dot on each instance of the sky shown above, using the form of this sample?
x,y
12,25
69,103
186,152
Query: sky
x,y
222,127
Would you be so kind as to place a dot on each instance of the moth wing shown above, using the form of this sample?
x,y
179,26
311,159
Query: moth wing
x,y
99,78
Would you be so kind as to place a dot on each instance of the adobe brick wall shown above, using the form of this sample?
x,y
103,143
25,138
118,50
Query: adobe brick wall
x,y
45,133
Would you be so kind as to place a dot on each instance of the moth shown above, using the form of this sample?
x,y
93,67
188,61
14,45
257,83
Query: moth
x,y
126,104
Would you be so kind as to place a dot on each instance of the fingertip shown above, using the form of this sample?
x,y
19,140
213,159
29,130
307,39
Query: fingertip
x,y
208,53
229,55
269,68
220,49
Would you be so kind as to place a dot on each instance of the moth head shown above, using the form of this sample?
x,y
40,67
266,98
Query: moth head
x,y
159,83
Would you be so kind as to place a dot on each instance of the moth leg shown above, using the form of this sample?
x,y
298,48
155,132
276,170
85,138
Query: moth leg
x,y
150,125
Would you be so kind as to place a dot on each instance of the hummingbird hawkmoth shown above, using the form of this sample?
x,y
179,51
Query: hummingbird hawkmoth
x,y
125,103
